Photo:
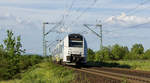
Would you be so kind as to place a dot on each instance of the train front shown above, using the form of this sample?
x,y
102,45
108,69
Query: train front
x,y
77,49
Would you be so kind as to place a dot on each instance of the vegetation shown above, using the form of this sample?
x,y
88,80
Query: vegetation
x,y
16,67
117,52
121,56
12,62
92,55
134,64
45,73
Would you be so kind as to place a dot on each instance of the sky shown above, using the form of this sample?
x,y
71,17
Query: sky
x,y
124,22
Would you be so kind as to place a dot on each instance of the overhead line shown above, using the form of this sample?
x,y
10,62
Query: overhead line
x,y
69,9
63,18
132,11
139,24
95,1
138,6
78,17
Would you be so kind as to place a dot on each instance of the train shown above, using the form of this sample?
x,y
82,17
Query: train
x,y
72,50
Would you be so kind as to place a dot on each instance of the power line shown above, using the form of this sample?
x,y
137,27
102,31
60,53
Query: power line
x,y
68,10
95,1
56,26
98,35
78,17
82,13
139,24
132,11
71,6
138,6
63,18
64,12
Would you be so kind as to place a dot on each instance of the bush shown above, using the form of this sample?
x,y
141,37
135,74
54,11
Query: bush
x,y
147,54
91,55
12,61
117,52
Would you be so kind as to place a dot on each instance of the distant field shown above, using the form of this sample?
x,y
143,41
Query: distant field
x,y
131,64
135,64
45,73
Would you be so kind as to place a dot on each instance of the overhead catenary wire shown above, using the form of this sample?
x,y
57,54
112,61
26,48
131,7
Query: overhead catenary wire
x,y
78,17
138,6
141,24
134,10
95,1
69,8
61,22
65,15
68,12
64,12
56,26
82,13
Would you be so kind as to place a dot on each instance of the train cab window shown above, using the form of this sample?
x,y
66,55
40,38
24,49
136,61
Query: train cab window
x,y
75,40
75,44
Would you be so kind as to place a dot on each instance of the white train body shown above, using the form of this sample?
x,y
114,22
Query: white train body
x,y
71,50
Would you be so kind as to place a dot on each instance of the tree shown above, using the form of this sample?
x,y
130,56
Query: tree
x,y
137,49
91,55
2,52
12,61
98,56
118,52
11,51
103,54
147,54
12,44
106,53
125,50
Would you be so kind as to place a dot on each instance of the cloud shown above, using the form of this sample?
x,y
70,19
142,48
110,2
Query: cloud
x,y
124,20
11,21
5,16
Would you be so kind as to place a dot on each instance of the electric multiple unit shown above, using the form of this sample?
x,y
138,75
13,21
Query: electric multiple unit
x,y
72,50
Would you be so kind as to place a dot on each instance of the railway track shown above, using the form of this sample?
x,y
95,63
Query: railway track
x,y
113,75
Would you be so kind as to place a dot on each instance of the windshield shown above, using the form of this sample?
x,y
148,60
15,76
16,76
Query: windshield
x,y
75,44
75,40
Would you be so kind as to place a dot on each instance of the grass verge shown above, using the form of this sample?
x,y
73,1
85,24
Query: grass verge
x,y
130,64
136,64
45,73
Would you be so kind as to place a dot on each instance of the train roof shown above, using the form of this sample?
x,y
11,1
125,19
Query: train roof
x,y
76,34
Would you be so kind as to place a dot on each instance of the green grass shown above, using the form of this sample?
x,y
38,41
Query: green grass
x,y
130,64
45,73
136,64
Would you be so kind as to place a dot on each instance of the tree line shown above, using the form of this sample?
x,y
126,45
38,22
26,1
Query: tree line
x,y
13,59
118,52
